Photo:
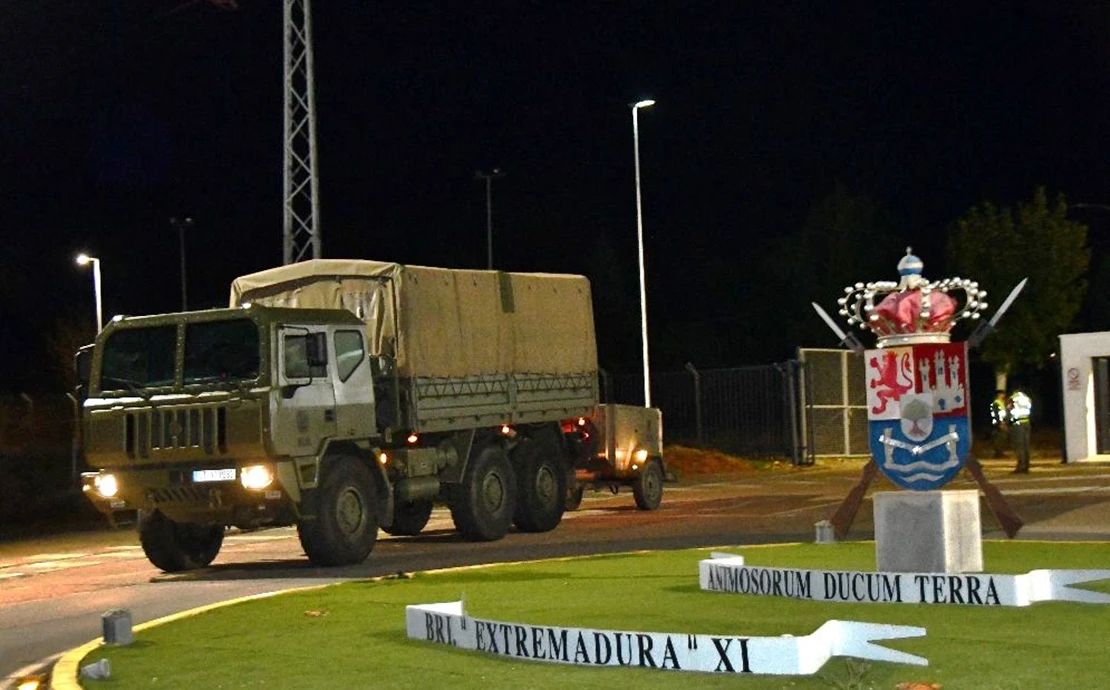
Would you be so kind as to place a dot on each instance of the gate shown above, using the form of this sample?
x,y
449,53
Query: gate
x,y
834,403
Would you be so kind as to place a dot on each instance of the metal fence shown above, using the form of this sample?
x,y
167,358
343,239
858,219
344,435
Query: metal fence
x,y
38,460
749,411
800,410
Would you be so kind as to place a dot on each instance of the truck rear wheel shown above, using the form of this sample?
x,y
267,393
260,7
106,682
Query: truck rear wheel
x,y
346,524
176,546
648,488
541,486
410,518
482,505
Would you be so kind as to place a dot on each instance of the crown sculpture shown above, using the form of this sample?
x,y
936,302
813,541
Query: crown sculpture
x,y
914,310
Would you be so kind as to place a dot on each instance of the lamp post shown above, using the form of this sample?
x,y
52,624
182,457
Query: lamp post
x,y
182,224
84,260
640,240
488,177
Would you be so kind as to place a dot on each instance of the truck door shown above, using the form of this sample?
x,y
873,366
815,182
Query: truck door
x,y
305,414
354,384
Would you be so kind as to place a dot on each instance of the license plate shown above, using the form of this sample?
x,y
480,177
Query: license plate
x,y
227,475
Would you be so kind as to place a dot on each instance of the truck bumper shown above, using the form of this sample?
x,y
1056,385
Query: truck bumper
x,y
118,493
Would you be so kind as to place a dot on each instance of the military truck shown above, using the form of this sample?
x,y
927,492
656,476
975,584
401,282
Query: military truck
x,y
344,396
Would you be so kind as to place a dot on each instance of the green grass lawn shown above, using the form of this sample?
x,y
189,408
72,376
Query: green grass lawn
x,y
353,635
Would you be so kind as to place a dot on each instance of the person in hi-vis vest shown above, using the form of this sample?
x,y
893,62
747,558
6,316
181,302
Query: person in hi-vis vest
x,y
1019,410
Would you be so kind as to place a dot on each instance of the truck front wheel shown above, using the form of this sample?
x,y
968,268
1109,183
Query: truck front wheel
x,y
648,489
482,505
410,518
346,524
542,488
176,546
574,497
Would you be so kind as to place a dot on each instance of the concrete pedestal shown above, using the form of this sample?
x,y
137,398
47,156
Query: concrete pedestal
x,y
117,627
928,532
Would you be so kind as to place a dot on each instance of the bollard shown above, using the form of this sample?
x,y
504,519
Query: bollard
x,y
97,671
117,627
825,533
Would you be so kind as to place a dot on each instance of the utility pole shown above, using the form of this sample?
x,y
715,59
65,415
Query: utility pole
x,y
301,188
488,177
647,103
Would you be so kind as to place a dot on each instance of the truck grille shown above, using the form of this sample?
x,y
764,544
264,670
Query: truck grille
x,y
202,429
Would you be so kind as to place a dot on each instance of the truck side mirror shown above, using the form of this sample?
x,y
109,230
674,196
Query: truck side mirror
x,y
381,365
82,363
316,349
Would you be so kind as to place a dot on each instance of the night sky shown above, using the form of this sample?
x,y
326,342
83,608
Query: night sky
x,y
115,116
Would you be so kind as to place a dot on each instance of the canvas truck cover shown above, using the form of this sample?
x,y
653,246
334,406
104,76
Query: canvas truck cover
x,y
440,322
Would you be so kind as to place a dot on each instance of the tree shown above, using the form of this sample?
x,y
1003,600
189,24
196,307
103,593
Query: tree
x,y
998,246
845,238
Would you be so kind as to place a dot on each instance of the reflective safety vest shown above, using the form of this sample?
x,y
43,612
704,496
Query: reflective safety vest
x,y
1020,408
999,415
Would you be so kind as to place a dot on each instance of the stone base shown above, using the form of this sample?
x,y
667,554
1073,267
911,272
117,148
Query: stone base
x,y
928,532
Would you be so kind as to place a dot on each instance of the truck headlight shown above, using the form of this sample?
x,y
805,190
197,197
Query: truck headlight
x,y
256,477
106,485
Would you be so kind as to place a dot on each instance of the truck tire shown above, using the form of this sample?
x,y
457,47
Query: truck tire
x,y
482,505
177,546
648,488
410,518
346,524
541,486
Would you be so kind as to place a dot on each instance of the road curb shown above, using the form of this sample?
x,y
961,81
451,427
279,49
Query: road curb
x,y
64,676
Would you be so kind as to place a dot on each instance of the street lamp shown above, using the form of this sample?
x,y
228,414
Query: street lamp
x,y
182,224
488,177
84,260
640,239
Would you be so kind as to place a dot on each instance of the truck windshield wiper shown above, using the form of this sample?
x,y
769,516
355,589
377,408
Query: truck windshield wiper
x,y
130,384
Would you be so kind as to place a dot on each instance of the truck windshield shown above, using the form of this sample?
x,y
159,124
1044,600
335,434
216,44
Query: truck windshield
x,y
221,351
139,358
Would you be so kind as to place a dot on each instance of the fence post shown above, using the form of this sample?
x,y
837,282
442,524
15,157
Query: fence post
x,y
791,370
697,403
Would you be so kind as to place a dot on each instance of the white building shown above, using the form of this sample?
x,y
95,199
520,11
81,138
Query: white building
x,y
1085,368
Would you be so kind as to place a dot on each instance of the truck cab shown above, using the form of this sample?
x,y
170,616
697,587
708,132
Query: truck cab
x,y
220,418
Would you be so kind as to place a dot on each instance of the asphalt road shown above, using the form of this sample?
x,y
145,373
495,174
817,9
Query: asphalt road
x,y
53,601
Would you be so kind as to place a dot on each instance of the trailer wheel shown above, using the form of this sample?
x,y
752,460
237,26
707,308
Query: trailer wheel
x,y
648,488
176,546
541,486
482,505
410,518
346,524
